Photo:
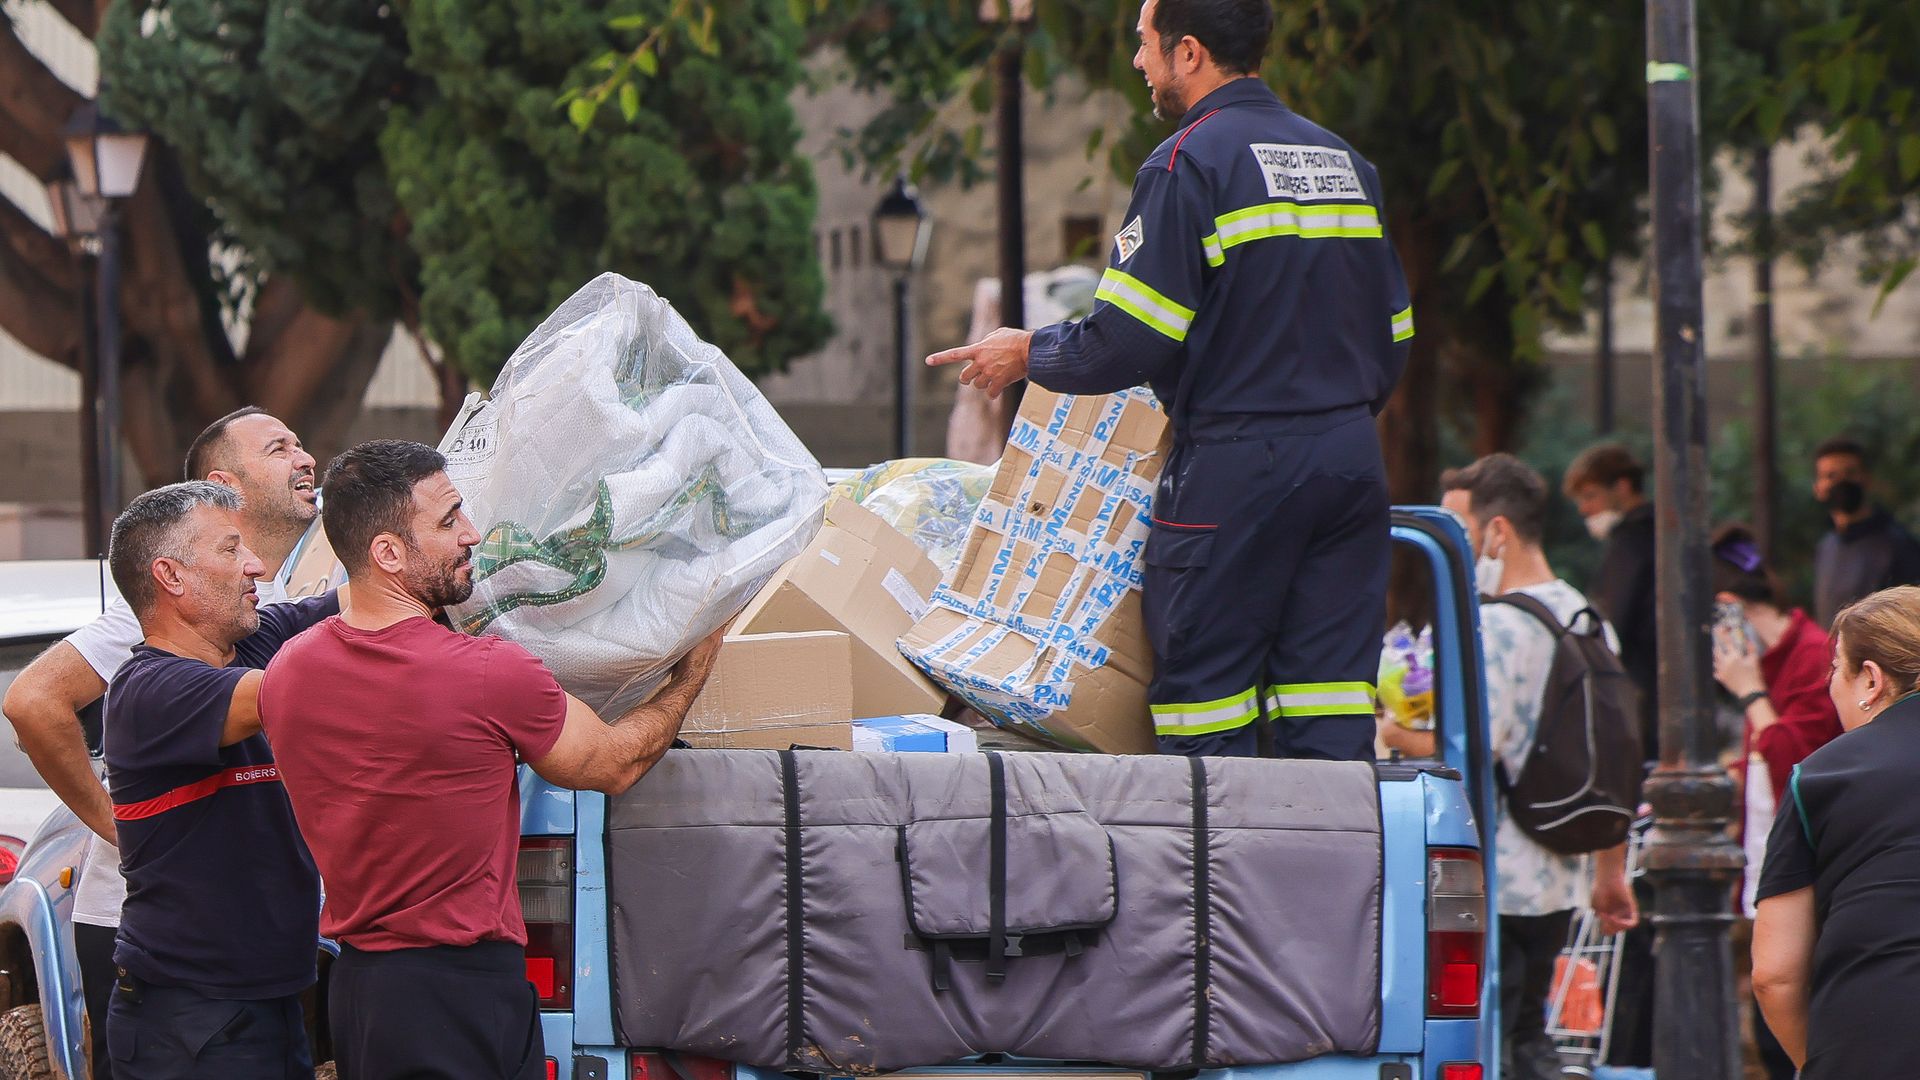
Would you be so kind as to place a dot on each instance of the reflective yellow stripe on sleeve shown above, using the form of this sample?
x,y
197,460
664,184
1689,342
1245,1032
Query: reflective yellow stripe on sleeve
x,y
1403,325
1210,247
1138,299
1321,699
1205,717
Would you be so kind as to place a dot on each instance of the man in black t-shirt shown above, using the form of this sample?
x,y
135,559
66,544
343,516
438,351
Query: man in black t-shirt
x,y
217,937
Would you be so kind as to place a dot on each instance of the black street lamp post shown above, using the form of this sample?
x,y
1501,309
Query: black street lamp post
x,y
1691,859
106,162
901,229
76,220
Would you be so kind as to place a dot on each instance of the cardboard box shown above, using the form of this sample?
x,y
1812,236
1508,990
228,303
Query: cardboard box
x,y
922,734
863,578
1039,625
770,691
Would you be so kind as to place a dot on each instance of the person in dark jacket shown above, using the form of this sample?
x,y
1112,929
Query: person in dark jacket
x,y
1867,550
1254,289
1604,482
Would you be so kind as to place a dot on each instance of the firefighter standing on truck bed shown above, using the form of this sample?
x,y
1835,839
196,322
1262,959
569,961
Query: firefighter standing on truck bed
x,y
1254,289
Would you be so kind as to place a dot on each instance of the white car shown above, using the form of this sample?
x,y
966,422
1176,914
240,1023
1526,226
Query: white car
x,y
41,601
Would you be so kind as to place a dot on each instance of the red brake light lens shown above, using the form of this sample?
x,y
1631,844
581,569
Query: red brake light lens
x,y
10,852
680,1067
1456,934
1462,1070
545,879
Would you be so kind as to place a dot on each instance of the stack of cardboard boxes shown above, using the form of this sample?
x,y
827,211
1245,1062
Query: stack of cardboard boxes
x,y
814,649
1038,627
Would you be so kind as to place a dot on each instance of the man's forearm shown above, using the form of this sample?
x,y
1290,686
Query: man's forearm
x,y
648,729
57,745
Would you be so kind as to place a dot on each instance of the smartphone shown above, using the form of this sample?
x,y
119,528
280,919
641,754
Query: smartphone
x,y
1731,626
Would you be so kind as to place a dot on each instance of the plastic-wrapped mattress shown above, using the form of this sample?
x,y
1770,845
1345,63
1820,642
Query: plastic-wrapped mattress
x,y
858,913
633,491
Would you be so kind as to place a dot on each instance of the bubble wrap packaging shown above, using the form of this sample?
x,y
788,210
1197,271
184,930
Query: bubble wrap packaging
x,y
633,491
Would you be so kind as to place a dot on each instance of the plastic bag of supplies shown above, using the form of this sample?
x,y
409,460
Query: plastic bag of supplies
x,y
632,489
931,500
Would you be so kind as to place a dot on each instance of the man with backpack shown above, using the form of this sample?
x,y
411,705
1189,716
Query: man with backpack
x,y
1565,744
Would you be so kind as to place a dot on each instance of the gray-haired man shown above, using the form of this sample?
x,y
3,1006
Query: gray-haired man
x,y
217,935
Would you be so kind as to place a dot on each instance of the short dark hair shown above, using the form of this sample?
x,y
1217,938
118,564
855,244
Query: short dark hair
x,y
369,491
1605,464
1501,485
149,529
1842,444
1235,32
203,455
1738,567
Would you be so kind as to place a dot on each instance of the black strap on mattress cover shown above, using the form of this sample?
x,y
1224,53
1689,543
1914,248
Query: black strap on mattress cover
x,y
796,989
1202,917
996,867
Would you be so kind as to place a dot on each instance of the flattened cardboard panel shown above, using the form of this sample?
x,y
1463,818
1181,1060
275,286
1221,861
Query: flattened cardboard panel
x,y
1015,463
1072,511
1046,491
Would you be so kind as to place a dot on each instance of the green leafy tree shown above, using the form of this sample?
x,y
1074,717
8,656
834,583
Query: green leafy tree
x,y
380,162
693,184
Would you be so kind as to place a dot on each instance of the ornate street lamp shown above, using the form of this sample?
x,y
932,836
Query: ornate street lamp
x,y
106,160
901,229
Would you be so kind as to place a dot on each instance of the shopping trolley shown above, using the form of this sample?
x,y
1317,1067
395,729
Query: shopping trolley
x,y
1586,979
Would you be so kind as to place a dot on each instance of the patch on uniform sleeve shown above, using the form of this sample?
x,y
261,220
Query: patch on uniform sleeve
x,y
1130,239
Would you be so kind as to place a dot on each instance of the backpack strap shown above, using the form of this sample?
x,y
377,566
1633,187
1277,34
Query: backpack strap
x,y
1532,606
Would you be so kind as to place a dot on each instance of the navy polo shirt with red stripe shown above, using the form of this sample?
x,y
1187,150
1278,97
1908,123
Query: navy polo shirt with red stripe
x,y
222,894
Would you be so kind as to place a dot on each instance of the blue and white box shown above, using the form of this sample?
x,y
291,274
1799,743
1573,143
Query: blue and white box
x,y
919,733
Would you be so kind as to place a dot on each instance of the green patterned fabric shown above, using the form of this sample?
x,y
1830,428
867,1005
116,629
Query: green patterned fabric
x,y
581,551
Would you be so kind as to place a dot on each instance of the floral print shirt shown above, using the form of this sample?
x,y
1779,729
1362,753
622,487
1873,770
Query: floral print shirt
x,y
1519,652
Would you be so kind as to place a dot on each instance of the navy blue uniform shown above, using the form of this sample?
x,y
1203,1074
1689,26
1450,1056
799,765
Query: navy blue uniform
x,y
1253,288
218,934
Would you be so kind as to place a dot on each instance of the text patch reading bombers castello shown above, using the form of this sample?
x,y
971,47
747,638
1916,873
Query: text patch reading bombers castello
x,y
1308,173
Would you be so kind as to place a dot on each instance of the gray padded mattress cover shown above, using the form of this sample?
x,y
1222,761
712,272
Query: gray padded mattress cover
x,y
849,912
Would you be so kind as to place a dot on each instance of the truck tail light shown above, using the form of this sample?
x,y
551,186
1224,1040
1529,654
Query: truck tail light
x,y
1456,935
1462,1070
680,1067
545,878
10,852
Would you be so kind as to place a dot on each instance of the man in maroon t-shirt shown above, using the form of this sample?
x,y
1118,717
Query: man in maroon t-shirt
x,y
397,740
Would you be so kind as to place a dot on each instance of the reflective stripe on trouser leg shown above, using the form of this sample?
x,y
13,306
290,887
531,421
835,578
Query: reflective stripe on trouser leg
x,y
1206,717
1320,699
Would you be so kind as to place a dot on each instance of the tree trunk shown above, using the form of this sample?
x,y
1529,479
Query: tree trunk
x,y
1410,424
179,371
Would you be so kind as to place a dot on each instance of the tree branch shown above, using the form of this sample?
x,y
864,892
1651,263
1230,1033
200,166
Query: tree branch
x,y
85,15
36,105
39,290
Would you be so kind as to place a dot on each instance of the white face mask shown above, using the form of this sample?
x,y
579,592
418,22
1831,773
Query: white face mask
x,y
1488,570
1601,524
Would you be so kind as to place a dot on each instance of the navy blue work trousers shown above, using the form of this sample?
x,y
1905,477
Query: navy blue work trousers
x,y
175,1033
1265,592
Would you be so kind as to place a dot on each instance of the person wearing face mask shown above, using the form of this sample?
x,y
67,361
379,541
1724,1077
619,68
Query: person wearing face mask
x,y
1503,503
1836,945
1604,482
1867,550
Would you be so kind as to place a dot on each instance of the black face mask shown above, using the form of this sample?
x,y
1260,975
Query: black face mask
x,y
1846,497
